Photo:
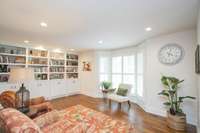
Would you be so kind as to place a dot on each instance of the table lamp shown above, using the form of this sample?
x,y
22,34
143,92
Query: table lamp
x,y
21,75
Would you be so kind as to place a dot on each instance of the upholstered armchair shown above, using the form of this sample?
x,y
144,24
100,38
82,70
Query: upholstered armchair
x,y
121,98
7,100
41,105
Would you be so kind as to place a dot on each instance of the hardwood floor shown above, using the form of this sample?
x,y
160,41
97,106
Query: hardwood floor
x,y
142,121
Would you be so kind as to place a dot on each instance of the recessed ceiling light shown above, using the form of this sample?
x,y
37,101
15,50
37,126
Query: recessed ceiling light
x,y
71,49
26,41
100,42
148,29
40,48
43,24
57,51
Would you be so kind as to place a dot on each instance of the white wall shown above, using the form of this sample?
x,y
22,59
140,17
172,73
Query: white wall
x,y
89,79
151,102
198,39
183,70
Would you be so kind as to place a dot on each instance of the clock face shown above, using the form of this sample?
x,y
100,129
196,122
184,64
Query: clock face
x,y
170,54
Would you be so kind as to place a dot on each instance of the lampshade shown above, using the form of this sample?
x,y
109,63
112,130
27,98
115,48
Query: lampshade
x,y
20,75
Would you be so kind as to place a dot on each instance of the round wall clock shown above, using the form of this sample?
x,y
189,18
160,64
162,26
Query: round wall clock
x,y
171,54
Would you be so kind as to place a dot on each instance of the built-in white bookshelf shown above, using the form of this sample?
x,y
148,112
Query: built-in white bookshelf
x,y
38,60
10,56
56,65
71,65
47,65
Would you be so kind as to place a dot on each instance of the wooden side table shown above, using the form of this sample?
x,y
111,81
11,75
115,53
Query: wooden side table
x,y
105,93
32,113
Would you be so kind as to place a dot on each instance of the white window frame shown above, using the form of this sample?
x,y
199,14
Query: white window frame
x,y
135,74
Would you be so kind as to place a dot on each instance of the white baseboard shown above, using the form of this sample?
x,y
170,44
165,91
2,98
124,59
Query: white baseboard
x,y
90,94
155,111
69,94
198,129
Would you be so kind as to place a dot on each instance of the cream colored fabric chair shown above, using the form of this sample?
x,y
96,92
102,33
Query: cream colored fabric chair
x,y
118,98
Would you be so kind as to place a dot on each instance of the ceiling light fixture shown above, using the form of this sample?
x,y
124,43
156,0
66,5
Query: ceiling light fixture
x,y
100,42
57,51
148,29
26,41
40,48
43,24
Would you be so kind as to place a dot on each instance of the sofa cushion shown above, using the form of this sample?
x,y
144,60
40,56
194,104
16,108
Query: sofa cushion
x,y
47,119
14,121
118,98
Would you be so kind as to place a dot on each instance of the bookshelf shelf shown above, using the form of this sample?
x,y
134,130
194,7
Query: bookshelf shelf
x,y
13,64
4,73
56,72
39,65
38,57
13,54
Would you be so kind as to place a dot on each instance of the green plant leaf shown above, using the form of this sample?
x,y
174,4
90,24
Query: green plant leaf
x,y
106,85
167,103
164,80
182,98
164,93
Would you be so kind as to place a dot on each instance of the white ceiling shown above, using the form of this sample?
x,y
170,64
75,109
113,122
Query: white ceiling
x,y
80,24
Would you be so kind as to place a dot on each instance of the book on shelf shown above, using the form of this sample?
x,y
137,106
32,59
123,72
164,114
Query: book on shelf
x,y
37,61
56,69
54,55
56,76
72,56
41,76
57,62
72,75
12,59
71,63
12,50
37,53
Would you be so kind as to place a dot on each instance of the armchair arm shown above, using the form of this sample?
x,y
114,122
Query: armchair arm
x,y
37,100
45,106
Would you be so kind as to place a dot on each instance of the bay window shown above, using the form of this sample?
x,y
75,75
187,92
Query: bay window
x,y
126,69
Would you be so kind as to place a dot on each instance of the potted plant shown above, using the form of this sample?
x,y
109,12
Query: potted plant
x,y
106,85
176,119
